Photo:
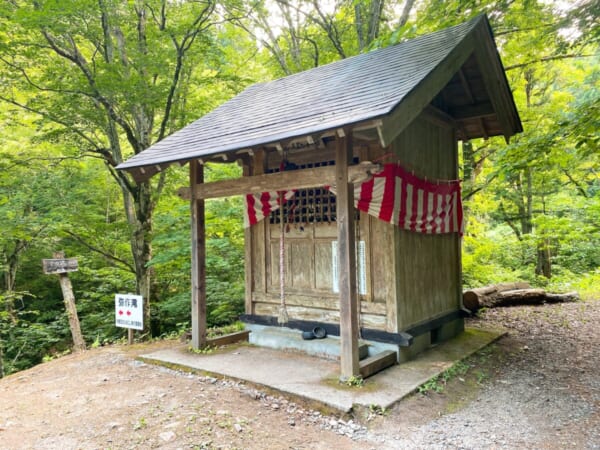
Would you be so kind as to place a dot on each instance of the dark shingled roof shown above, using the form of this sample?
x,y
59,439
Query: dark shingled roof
x,y
342,93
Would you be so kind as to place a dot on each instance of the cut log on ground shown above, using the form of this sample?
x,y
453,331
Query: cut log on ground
x,y
512,294
474,299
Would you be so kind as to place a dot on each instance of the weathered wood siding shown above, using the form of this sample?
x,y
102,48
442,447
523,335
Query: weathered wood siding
x,y
309,277
427,266
410,277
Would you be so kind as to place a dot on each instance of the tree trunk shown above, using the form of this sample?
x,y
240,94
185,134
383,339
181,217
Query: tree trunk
x,y
473,299
544,262
140,218
512,294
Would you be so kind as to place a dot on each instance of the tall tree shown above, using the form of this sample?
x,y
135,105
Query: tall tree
x,y
301,34
106,78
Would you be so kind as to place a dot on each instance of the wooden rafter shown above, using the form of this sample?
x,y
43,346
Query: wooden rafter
x,y
465,84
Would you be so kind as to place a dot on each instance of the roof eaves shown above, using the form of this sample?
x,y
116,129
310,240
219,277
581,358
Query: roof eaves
x,y
411,105
496,82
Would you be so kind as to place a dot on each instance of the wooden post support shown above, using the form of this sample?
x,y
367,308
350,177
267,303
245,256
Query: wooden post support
x,y
130,336
198,259
349,360
69,299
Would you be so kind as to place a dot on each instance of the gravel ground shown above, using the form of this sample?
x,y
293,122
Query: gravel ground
x,y
536,388
539,387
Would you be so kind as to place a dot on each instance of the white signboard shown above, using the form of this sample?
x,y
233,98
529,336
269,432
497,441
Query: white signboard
x,y
129,311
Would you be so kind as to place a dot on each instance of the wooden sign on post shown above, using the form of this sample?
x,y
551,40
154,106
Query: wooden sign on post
x,y
61,266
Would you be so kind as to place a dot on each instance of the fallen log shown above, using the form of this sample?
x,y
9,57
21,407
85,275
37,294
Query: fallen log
x,y
561,298
504,295
473,299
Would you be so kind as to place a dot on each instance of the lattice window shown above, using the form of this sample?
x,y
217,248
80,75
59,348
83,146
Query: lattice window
x,y
314,205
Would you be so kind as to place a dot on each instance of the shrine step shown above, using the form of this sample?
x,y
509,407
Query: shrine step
x,y
283,338
376,363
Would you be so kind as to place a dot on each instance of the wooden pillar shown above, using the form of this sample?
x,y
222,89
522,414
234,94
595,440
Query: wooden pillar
x,y
248,246
254,166
198,259
458,237
346,260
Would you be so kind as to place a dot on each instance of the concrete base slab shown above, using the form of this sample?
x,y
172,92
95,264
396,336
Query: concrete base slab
x,y
282,338
315,379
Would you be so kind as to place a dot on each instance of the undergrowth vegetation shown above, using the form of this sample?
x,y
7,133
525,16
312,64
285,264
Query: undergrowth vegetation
x,y
532,206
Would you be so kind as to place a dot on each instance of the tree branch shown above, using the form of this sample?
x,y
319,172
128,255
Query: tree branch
x,y
510,222
39,87
77,58
576,183
546,59
52,118
519,30
181,48
108,256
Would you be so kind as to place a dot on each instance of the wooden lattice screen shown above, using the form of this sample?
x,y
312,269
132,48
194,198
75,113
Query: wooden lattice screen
x,y
314,205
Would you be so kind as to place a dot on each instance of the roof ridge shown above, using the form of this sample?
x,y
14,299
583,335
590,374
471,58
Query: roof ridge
x,y
364,87
468,25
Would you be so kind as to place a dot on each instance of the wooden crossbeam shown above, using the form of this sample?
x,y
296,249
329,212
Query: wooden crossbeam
x,y
280,181
439,117
477,110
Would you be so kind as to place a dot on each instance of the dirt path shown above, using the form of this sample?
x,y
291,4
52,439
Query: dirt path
x,y
537,388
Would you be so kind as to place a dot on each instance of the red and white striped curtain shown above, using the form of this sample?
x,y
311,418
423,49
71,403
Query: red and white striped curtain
x,y
259,206
399,197
394,195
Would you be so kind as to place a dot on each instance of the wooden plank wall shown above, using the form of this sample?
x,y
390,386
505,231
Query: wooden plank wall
x,y
411,277
309,270
427,266
309,273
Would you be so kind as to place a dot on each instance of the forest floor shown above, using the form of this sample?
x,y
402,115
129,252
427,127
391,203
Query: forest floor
x,y
538,387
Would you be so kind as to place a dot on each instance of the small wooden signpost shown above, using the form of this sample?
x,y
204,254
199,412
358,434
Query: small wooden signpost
x,y
61,266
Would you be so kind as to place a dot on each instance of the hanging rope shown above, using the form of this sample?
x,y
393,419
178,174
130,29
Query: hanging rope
x,y
282,318
358,264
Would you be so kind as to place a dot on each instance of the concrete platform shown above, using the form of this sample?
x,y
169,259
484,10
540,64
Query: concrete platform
x,y
315,379
282,338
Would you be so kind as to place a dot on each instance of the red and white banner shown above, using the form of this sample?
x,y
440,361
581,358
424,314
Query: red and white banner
x,y
393,195
259,206
399,197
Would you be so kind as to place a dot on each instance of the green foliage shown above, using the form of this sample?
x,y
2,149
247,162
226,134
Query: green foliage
x,y
224,259
226,329
354,381
24,340
438,383
378,410
202,351
536,198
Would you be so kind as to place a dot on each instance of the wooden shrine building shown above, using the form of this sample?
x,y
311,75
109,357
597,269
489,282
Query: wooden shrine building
x,y
377,131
